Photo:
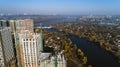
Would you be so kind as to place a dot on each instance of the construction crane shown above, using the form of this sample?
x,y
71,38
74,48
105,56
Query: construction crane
x,y
56,59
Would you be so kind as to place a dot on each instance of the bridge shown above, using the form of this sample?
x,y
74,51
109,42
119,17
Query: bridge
x,y
44,27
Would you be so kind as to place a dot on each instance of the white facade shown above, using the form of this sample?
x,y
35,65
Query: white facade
x,y
52,61
30,43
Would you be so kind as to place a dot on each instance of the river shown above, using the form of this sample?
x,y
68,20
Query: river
x,y
97,56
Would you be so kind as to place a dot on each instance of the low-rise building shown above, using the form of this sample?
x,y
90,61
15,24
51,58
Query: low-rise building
x,y
47,60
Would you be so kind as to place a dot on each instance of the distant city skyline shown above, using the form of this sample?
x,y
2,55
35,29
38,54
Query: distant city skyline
x,y
60,7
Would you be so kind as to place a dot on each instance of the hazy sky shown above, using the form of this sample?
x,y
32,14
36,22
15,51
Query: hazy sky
x,y
60,6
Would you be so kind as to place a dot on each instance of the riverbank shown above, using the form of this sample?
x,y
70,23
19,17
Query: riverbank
x,y
96,56
59,42
105,36
103,45
99,57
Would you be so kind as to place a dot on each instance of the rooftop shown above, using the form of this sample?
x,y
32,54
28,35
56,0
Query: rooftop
x,y
26,34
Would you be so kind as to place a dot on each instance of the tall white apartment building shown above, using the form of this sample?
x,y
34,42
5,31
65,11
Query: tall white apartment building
x,y
29,48
6,47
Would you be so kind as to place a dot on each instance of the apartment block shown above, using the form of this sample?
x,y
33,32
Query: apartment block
x,y
22,24
6,47
29,44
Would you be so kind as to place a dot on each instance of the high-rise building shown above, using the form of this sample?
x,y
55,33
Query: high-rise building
x,y
29,44
26,24
4,23
7,55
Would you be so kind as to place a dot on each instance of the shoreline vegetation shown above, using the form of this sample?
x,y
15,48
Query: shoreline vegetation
x,y
104,36
74,56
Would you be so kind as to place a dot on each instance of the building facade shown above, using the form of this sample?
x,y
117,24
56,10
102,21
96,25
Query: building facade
x,y
4,23
29,48
6,47
52,61
22,24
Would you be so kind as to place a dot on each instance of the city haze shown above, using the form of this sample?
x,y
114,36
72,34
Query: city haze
x,y
60,7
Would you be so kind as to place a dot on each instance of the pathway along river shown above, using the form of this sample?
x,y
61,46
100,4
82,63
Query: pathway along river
x,y
97,56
